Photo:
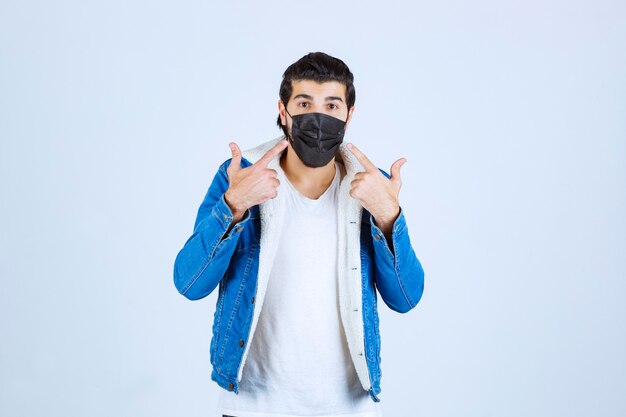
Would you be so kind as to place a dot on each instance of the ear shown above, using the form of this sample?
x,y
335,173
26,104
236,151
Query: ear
x,y
349,116
281,112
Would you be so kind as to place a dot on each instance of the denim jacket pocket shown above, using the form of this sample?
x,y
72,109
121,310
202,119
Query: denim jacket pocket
x,y
376,326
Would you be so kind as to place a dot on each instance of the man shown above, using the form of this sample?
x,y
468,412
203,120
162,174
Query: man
x,y
300,233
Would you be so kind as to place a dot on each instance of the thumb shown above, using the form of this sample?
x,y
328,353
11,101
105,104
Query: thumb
x,y
235,163
395,170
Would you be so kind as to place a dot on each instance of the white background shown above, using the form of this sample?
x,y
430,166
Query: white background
x,y
114,116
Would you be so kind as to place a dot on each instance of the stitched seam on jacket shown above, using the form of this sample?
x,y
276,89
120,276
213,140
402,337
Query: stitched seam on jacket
x,y
397,269
220,309
235,306
206,263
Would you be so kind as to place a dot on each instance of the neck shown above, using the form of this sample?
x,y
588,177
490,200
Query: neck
x,y
311,182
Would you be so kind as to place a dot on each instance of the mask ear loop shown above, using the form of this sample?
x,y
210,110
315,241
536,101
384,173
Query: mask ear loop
x,y
287,111
346,122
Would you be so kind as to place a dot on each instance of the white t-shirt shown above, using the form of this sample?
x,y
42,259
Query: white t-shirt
x,y
299,363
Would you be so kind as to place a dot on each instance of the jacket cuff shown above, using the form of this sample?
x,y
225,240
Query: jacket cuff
x,y
224,216
399,226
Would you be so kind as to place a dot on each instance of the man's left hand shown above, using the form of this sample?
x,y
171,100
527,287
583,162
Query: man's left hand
x,y
377,193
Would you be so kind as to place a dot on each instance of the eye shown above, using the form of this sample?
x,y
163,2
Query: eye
x,y
303,104
333,106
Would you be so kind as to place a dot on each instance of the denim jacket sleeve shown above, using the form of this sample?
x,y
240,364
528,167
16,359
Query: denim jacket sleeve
x,y
399,274
205,256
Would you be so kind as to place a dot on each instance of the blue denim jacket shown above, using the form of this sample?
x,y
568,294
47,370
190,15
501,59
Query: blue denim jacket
x,y
239,261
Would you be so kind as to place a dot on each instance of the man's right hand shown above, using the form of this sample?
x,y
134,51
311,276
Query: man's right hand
x,y
251,185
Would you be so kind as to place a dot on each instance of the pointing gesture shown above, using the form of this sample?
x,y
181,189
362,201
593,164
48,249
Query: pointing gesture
x,y
251,185
377,193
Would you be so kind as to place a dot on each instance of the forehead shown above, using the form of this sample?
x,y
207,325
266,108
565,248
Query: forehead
x,y
318,90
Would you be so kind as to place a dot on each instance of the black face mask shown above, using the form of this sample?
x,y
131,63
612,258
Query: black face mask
x,y
316,137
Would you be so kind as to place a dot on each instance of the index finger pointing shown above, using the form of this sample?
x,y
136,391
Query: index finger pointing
x,y
367,164
269,155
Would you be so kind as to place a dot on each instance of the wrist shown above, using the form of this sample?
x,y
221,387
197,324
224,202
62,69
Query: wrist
x,y
387,218
236,209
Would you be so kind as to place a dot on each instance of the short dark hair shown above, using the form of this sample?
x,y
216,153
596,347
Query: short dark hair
x,y
319,67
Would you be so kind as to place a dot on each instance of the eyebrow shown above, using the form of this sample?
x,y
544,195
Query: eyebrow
x,y
308,97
